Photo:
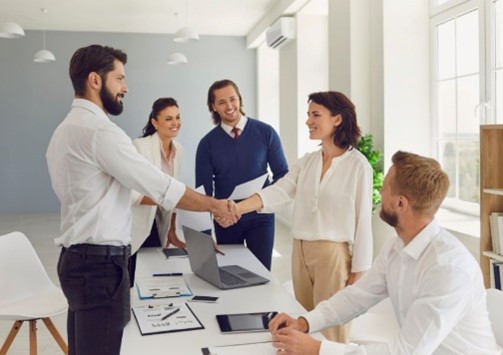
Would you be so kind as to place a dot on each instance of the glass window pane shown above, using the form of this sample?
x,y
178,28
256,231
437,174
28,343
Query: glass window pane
x,y
467,43
467,101
448,161
446,103
446,50
498,33
498,97
468,171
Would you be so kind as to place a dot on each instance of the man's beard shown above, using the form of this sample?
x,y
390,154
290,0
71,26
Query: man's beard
x,y
110,104
390,218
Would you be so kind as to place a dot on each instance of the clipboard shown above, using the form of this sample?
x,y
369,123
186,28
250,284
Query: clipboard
x,y
162,287
165,318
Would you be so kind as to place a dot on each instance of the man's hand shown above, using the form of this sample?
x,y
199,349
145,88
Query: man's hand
x,y
290,341
283,320
226,213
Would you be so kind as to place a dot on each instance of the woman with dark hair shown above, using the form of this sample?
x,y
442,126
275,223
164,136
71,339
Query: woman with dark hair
x,y
153,226
332,193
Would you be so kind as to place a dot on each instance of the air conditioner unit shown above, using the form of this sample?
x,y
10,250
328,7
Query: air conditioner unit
x,y
281,32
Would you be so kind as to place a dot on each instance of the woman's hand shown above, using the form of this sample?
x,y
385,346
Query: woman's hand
x,y
173,239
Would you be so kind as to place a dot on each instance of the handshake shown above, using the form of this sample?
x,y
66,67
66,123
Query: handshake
x,y
226,212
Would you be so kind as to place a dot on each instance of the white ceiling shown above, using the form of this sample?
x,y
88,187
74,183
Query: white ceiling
x,y
208,17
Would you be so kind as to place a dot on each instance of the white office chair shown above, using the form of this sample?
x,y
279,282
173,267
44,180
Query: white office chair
x,y
377,325
495,309
26,291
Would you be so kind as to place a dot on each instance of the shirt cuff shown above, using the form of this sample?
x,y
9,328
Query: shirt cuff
x,y
332,348
265,208
173,194
315,321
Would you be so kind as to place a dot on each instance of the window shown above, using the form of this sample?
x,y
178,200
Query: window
x,y
462,90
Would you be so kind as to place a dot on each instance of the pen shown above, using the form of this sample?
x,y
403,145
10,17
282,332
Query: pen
x,y
219,251
170,314
170,274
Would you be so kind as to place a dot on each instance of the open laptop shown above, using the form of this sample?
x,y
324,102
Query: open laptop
x,y
203,262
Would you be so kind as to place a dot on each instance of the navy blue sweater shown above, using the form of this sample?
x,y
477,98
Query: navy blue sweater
x,y
223,162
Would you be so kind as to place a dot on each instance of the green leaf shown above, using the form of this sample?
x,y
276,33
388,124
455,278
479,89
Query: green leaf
x,y
366,147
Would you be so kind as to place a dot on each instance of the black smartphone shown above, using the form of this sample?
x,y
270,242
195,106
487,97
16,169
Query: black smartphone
x,y
210,299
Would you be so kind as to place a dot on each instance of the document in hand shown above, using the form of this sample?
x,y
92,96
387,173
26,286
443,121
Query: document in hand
x,y
248,188
199,221
162,286
166,318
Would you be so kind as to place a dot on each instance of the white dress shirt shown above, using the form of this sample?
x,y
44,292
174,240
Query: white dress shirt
x,y
241,125
93,166
436,289
337,208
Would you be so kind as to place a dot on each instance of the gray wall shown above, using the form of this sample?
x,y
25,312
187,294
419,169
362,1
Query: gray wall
x,y
34,98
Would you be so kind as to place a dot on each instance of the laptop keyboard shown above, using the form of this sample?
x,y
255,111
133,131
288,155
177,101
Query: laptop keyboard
x,y
229,279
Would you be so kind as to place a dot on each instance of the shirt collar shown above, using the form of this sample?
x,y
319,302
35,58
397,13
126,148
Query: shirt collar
x,y
422,240
241,125
90,106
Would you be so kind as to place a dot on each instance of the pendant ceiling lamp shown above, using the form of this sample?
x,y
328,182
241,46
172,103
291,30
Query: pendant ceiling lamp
x,y
177,57
44,55
11,29
186,34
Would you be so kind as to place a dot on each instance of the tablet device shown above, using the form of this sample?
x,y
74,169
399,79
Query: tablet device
x,y
245,322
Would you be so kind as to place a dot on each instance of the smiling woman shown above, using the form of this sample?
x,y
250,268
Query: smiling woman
x,y
152,225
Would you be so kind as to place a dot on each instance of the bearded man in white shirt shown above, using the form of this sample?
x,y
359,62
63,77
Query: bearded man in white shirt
x,y
93,166
434,283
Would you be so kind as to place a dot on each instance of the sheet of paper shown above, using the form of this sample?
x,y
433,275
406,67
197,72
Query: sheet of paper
x,y
248,188
199,221
244,349
162,286
165,318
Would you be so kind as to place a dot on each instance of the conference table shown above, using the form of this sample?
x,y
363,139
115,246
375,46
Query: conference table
x,y
268,297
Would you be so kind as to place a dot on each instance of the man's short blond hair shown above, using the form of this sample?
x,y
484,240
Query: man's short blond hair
x,y
421,180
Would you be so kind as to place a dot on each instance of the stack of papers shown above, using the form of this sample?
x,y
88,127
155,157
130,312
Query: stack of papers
x,y
162,286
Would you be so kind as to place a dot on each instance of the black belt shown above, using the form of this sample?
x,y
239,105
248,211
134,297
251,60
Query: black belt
x,y
102,250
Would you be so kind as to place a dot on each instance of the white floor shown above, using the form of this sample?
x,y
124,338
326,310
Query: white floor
x,y
41,229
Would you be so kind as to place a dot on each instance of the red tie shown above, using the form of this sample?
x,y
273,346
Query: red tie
x,y
235,130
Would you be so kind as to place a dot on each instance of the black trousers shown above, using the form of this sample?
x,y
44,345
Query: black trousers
x,y
97,290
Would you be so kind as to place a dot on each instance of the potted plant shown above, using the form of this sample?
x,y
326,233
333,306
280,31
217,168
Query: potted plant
x,y
366,147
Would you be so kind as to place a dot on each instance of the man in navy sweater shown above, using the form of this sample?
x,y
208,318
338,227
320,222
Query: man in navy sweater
x,y
238,150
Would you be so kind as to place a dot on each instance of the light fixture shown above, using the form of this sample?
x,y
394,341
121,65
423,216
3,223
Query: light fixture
x,y
186,33
177,58
44,55
11,30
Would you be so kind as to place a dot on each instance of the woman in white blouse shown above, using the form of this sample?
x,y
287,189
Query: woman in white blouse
x,y
152,226
332,193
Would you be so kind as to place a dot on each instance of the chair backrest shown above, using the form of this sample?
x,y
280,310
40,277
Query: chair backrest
x,y
495,309
21,271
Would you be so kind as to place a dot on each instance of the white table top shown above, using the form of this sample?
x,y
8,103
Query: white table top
x,y
262,298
